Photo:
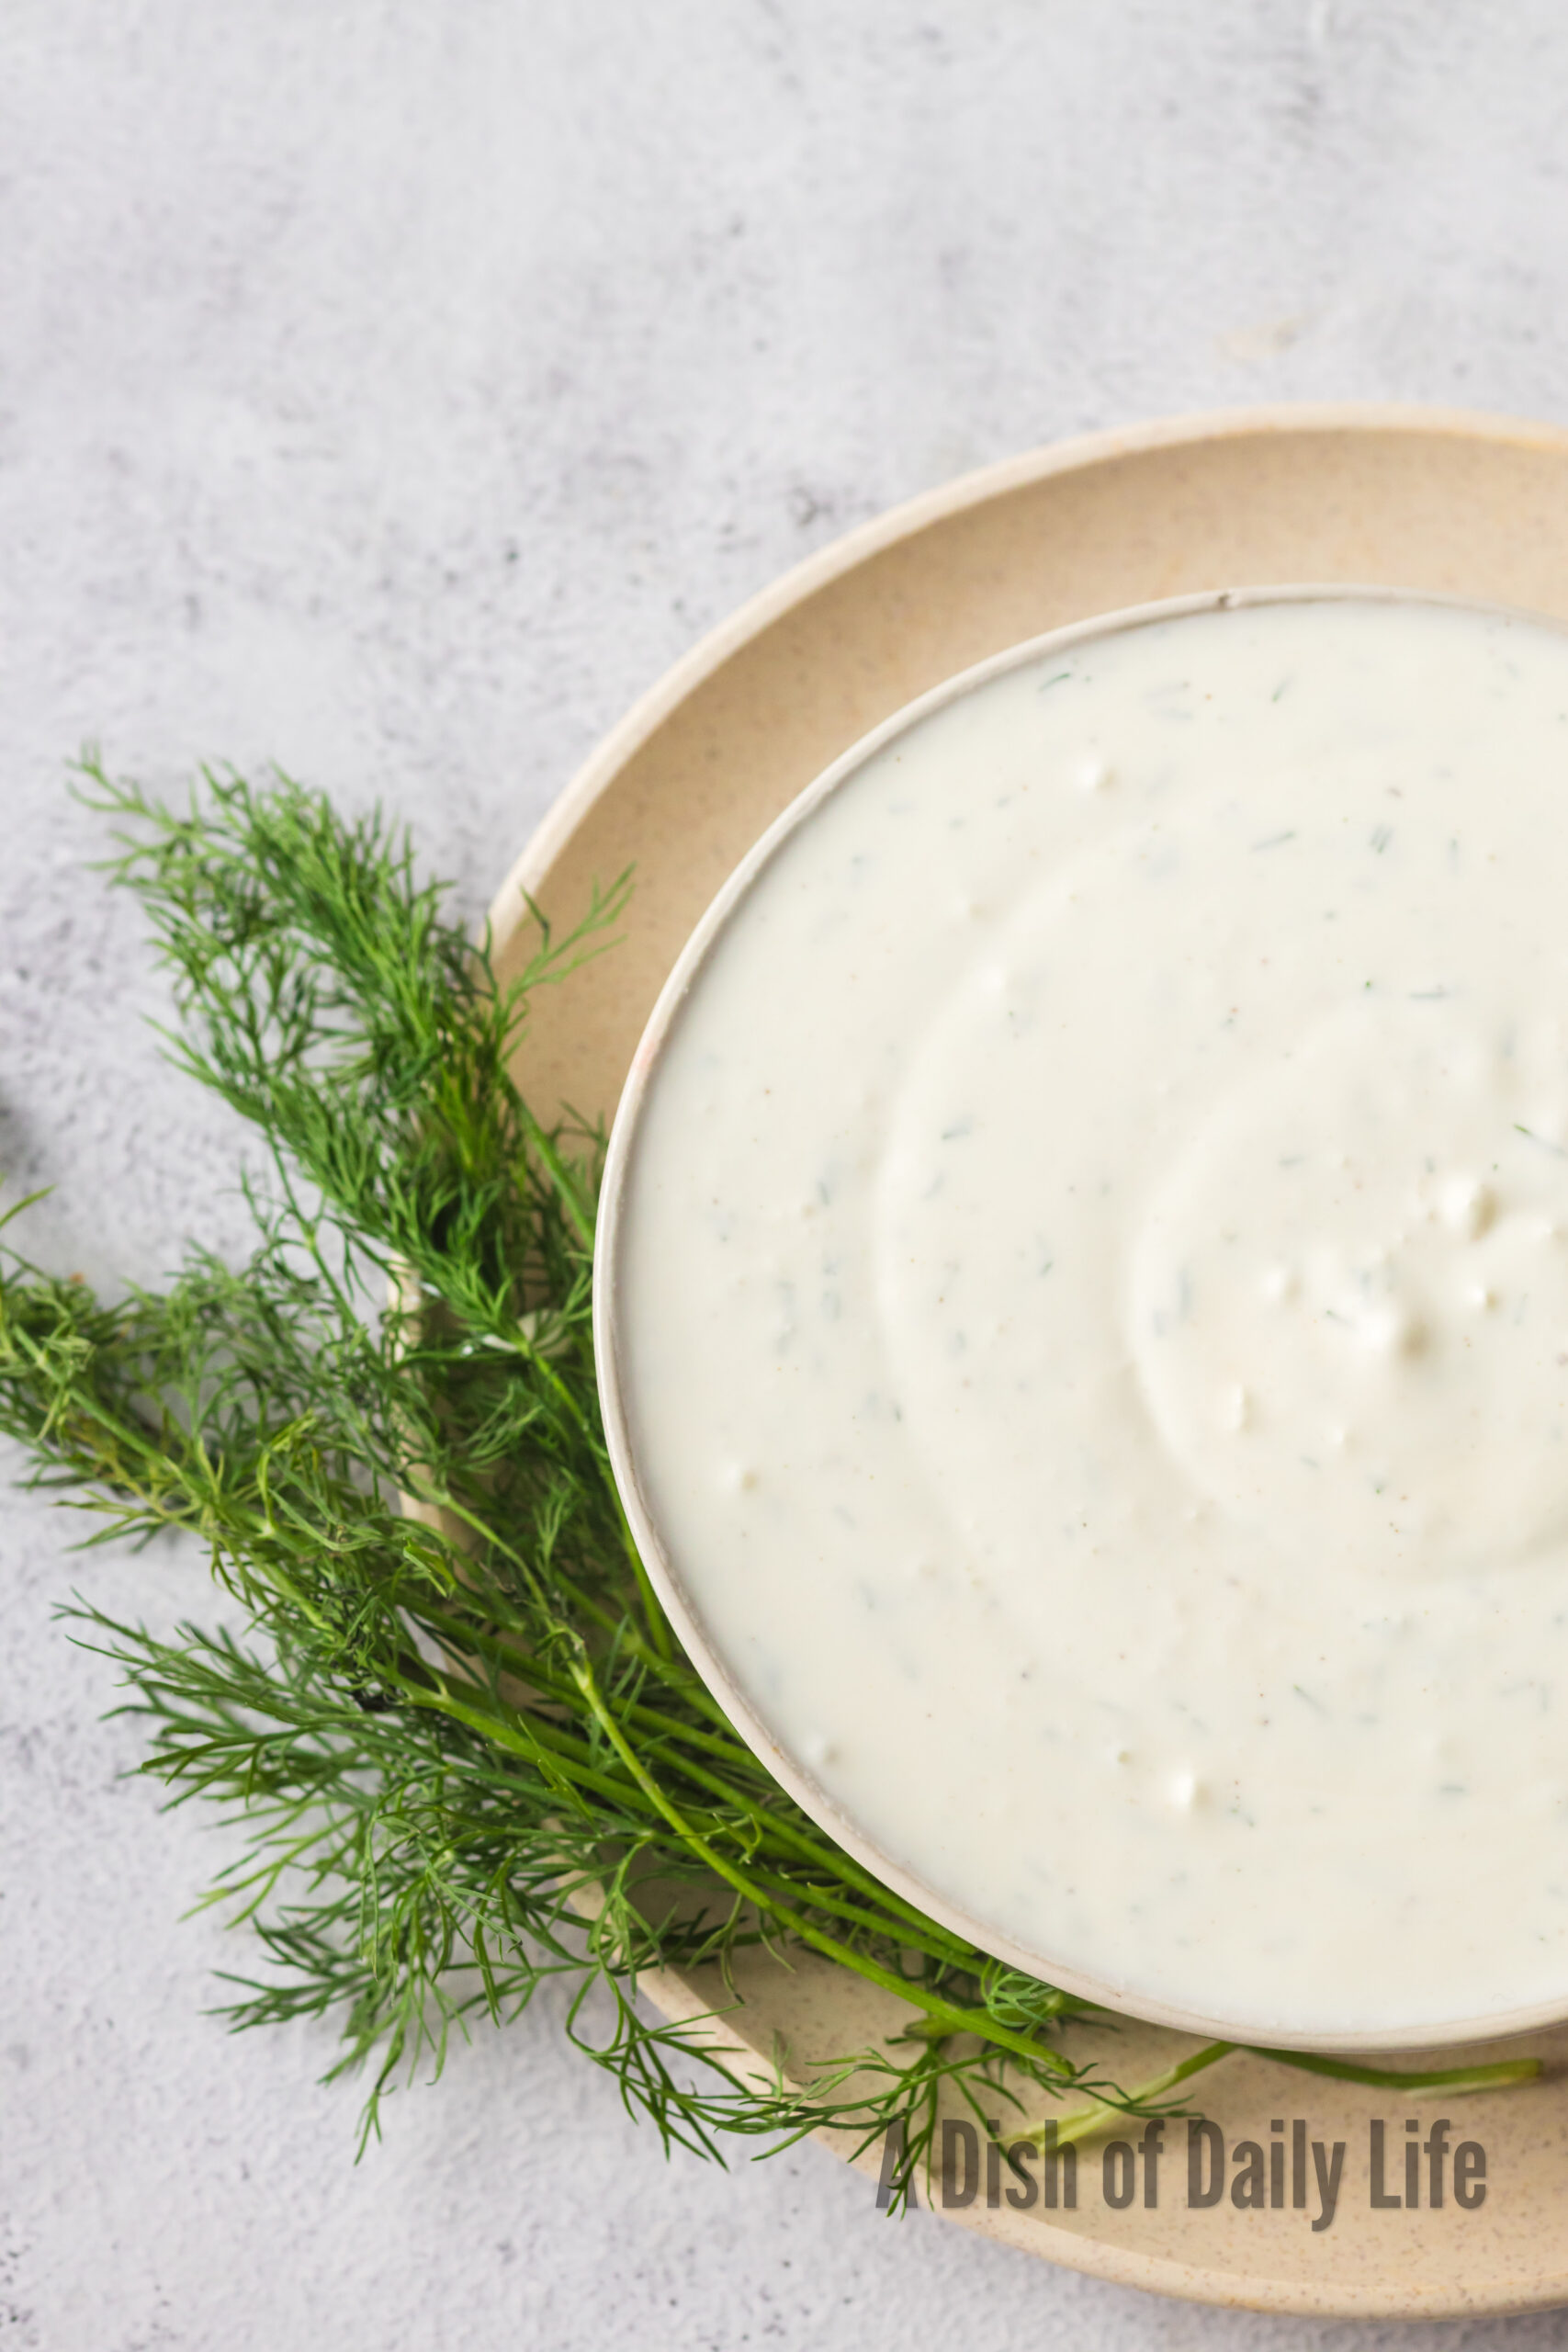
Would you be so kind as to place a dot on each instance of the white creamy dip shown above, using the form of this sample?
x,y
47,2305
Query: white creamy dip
x,y
1085,1322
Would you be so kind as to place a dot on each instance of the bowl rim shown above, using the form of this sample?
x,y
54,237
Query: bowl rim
x,y
708,1661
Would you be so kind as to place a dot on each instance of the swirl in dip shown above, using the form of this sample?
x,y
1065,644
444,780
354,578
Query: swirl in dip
x,y
1085,1310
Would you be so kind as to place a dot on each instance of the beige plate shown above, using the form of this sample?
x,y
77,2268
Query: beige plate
x,y
1412,498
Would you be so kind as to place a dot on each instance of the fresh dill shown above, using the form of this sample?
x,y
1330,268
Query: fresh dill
x,y
459,1745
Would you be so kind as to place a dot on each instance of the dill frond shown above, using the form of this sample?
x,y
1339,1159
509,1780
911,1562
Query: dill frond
x,y
460,1750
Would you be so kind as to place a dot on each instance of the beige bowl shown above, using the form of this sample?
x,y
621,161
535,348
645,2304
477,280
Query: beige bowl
x,y
633,1471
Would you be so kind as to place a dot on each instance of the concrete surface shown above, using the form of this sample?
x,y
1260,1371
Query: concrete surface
x,y
392,390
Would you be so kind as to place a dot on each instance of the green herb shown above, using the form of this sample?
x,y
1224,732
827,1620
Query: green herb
x,y
461,1746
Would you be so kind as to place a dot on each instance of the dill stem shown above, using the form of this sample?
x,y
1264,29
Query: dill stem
x,y
572,1200
907,1925
1100,2115
1498,2073
958,2020
657,1627
907,1922
552,1751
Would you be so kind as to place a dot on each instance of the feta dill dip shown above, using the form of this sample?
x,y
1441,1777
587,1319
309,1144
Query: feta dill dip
x,y
1082,1303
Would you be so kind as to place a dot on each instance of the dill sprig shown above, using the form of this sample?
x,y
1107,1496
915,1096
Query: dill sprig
x,y
459,1746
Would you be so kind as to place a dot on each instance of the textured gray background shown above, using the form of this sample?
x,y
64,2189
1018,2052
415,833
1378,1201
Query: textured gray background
x,y
393,390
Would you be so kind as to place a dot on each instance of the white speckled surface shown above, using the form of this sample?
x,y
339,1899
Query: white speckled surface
x,y
394,392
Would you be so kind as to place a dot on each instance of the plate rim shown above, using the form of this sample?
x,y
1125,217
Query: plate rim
x,y
509,912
